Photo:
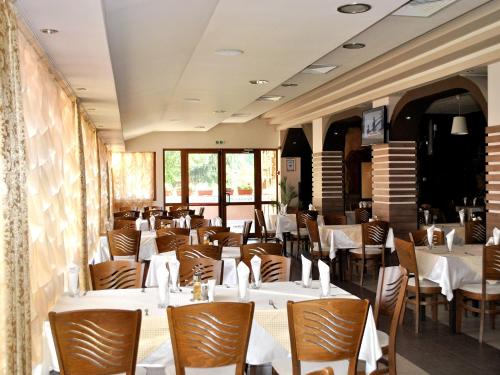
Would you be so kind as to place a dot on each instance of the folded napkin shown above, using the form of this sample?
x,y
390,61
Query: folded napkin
x,y
430,234
73,279
283,208
188,221
496,236
138,223
255,263
218,222
182,222
461,214
152,220
243,273
426,216
211,290
324,278
306,271
163,291
173,267
449,239
474,201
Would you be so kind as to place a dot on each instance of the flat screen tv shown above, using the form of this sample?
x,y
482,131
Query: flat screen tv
x,y
373,126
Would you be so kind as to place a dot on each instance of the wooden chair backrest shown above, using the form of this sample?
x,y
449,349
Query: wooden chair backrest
x,y
156,213
419,238
198,251
265,248
116,274
124,223
201,211
362,215
96,341
171,242
177,214
374,233
475,232
227,239
151,208
335,219
210,335
172,231
209,268
124,242
313,233
274,268
205,232
407,258
128,213
491,263
261,221
198,222
303,216
326,330
162,222
247,226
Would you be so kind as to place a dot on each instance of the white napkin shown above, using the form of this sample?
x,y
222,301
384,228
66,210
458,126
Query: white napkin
x,y
461,214
430,234
311,207
173,266
449,239
73,279
255,263
243,273
211,290
306,270
426,216
188,221
138,223
163,291
182,222
496,236
360,204
152,220
218,222
474,201
324,278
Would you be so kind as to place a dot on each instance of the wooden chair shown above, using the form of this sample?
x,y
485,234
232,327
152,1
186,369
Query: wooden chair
x,y
420,289
210,335
201,211
325,371
391,293
374,237
300,236
177,214
328,329
274,268
484,293
171,242
198,222
124,242
335,219
172,232
265,234
248,251
209,268
475,232
126,214
163,222
117,274
198,251
362,215
177,207
156,213
227,239
99,342
315,248
205,232
124,223
419,238
247,226
151,208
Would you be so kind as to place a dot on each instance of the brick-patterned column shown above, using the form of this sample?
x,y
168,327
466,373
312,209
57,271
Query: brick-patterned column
x,y
328,181
492,177
394,185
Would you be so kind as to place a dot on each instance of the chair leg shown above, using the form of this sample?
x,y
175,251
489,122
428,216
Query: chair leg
x,y
434,307
481,321
492,314
417,312
362,272
459,312
403,310
351,266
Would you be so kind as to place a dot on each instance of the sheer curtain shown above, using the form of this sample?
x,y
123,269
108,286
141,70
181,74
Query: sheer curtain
x,y
133,178
105,211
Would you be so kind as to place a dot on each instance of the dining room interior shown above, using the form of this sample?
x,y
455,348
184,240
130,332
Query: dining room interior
x,y
262,188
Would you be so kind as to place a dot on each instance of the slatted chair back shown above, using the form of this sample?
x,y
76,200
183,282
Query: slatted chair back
x,y
326,330
210,335
491,264
227,239
198,222
313,233
129,214
124,242
475,232
99,342
324,371
407,258
198,251
176,207
261,222
362,215
274,268
124,223
201,211
247,226
117,274
151,208
204,233
419,238
248,251
208,267
374,233
335,219
164,222
303,216
177,214
172,231
156,213
171,242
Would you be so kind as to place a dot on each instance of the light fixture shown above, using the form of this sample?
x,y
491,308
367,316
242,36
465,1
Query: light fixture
x,y
319,69
49,31
219,111
229,52
289,84
459,125
269,98
258,82
354,45
354,8
192,100
81,89
408,117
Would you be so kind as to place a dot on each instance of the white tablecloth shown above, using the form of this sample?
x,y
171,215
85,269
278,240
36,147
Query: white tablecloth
x,y
146,249
230,255
142,224
349,236
269,339
287,223
458,238
463,265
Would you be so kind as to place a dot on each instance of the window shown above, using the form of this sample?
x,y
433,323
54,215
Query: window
x,y
172,176
133,176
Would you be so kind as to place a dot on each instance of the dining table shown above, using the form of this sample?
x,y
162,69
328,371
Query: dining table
x,y
282,224
269,338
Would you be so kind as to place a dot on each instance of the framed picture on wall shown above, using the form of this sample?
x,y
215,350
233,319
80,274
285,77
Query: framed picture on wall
x,y
290,165
373,126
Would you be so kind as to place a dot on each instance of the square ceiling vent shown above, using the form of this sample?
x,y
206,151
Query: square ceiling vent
x,y
422,8
319,69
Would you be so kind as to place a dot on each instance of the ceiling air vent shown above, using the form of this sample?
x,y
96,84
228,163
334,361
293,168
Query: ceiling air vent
x,y
422,8
319,69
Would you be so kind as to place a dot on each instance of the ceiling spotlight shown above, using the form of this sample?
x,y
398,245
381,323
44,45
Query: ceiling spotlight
x,y
258,82
220,111
229,52
81,89
49,31
199,127
354,45
269,98
289,84
354,8
192,100
408,117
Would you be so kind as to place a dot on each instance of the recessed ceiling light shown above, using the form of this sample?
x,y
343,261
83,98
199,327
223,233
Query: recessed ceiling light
x,y
49,31
192,100
229,52
220,111
199,127
354,8
81,89
408,117
319,69
354,45
269,98
289,84
258,82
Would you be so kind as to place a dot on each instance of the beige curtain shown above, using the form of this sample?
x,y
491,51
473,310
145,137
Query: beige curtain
x,y
15,342
104,207
133,178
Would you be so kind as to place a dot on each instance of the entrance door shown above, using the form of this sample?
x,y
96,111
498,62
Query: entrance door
x,y
204,181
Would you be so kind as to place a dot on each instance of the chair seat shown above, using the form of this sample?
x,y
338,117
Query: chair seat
x,y
491,289
383,339
368,251
424,283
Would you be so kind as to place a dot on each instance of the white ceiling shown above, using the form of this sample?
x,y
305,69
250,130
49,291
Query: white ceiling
x,y
139,59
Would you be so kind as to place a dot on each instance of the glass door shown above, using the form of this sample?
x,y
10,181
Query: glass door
x,y
203,182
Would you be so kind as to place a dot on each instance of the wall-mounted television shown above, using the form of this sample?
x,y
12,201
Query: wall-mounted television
x,y
373,126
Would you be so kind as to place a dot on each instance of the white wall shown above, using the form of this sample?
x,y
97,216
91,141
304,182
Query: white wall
x,y
253,134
